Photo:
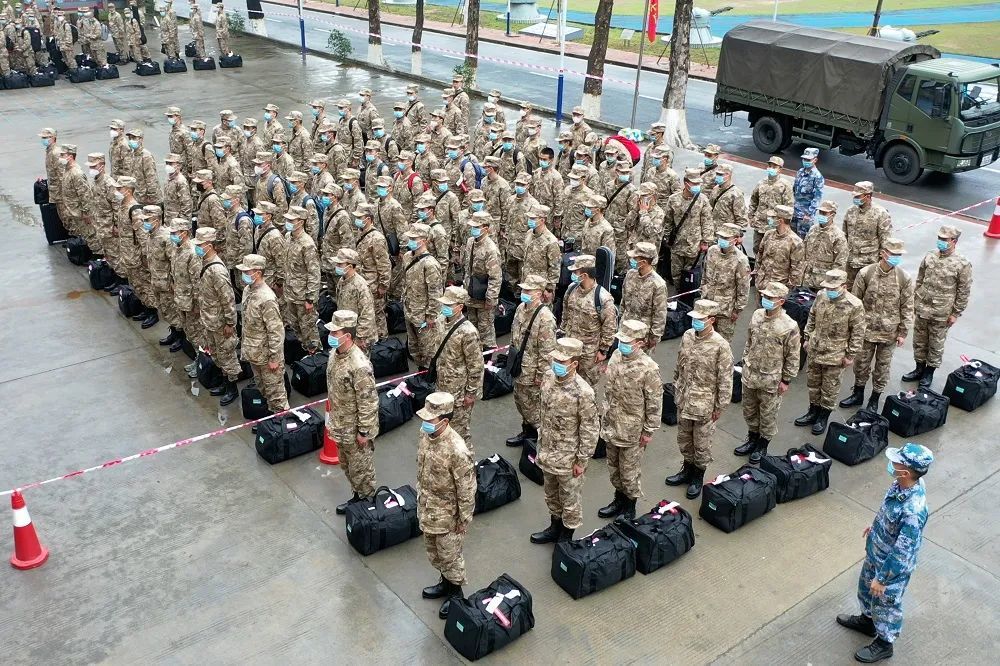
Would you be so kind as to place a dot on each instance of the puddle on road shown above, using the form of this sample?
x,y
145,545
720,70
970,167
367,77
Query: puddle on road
x,y
21,214
75,294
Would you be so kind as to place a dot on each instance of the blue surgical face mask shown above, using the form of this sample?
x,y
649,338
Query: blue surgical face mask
x,y
894,260
428,428
314,170
772,172
231,124
832,294
378,133
258,219
422,214
771,222
442,187
806,164
575,162
246,278
477,206
401,166
766,303
382,191
421,148
315,113
45,143
333,340
289,226
195,136
133,144
293,188
709,161
724,244
452,154
942,245
488,119
268,115
525,298
175,239
625,348
339,272
227,203
559,369
544,164
532,224
369,158
695,189
822,219
508,146
633,263
624,178
348,187
325,200
698,324
476,232
147,226
520,189
342,112
719,180
199,250
588,212
358,222
858,201
890,469
172,121
412,245
574,277
397,114
276,148
325,138
656,161
492,136
248,133
447,311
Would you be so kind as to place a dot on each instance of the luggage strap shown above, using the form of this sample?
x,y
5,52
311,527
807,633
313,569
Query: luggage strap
x,y
812,457
664,508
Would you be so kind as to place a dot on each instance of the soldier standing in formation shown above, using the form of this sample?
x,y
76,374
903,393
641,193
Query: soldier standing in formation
x,y
589,316
825,247
644,293
772,191
459,365
217,307
482,276
422,282
263,341
726,279
867,226
781,251
302,280
197,30
353,294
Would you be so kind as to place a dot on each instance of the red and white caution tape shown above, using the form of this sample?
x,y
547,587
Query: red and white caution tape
x,y
951,214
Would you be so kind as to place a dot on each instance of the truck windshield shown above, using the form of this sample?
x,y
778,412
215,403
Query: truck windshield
x,y
979,99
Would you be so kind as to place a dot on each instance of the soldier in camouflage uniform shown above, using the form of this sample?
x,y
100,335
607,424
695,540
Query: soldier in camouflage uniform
x,y
338,232
447,206
283,164
159,255
440,134
239,226
117,151
644,293
446,496
542,255
367,111
376,268
75,194
263,341
771,191
460,359
887,294
222,30
547,184
564,153
101,206
227,170
300,197
407,186
891,547
657,142
808,192
729,203
416,112
423,280
534,333
185,270
200,152
866,226
319,175
217,304
168,30
770,363
649,224
482,276
781,256
269,241
580,128
834,335
567,439
577,193
353,413
210,212
703,381
688,227
354,195
197,29
249,146
388,147
143,168
498,193
726,279
133,256
660,173
597,231
514,232
302,279
512,160
424,160
622,211
177,200
710,163
439,240
353,294
825,246
347,129
269,187
941,294
632,405
590,316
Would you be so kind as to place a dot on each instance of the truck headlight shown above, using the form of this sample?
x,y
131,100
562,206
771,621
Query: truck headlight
x,y
964,163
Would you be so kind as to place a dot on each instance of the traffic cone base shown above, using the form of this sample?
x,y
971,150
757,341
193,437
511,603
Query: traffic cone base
x,y
994,229
28,551
330,454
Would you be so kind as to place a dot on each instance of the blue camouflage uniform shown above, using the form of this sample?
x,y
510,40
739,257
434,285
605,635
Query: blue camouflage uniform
x,y
891,555
808,191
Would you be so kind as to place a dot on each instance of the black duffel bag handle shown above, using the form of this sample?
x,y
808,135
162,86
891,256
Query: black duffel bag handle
x,y
624,561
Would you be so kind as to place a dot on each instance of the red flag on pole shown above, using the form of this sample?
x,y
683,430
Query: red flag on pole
x,y
654,15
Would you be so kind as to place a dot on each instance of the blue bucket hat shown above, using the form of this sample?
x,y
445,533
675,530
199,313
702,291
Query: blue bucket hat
x,y
914,456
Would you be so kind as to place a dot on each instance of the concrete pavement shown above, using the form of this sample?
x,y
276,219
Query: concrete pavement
x,y
207,555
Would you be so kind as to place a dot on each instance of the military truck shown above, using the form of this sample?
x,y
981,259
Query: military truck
x,y
898,103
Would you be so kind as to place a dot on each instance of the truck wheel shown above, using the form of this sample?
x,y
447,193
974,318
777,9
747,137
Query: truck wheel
x,y
901,164
768,134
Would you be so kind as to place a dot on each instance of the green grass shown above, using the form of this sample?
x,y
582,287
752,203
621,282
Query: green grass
x,y
978,39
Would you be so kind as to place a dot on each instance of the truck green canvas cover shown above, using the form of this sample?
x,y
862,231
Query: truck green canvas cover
x,y
830,70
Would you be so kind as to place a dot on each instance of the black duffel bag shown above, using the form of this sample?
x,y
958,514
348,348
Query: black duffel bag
x,y
41,191
326,306
107,73
599,560
862,437
800,473
668,414
528,463
101,274
128,301
419,387
230,61
175,66
732,501
395,320
309,374
82,75
678,320
148,68
288,436
204,64
971,385
294,350
737,396
210,375
497,381
395,407
41,80
254,403
388,357
798,304
15,80
691,280
496,483
489,619
503,319
387,519
191,50
915,412
77,251
660,536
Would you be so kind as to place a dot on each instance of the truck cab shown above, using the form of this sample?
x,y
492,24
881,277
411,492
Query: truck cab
x,y
943,115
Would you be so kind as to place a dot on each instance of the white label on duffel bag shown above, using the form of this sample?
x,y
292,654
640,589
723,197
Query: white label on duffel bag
x,y
666,507
722,478
302,416
493,603
395,500
291,425
495,458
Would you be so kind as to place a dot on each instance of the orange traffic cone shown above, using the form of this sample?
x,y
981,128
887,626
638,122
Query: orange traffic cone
x,y
330,455
994,229
28,552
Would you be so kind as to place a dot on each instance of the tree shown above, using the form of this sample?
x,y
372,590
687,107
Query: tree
x,y
416,55
375,35
593,85
472,43
673,113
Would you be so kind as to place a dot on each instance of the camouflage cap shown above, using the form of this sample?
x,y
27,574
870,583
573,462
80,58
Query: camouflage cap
x,y
894,246
68,149
334,190
582,261
225,113
271,107
643,249
297,177
424,201
180,224
134,132
777,161
495,92
597,201
453,142
439,175
479,219
523,178
567,349
364,210
623,166
864,187
318,103
729,230
437,404
417,230
489,108
525,104
263,157
577,111
579,171
126,181
349,174
378,123
658,127
915,456
46,132
458,78
422,138
399,106
948,231
412,87
827,206
492,161
343,103
196,125
278,137
343,319
328,127
565,135
205,235
447,93
540,210
95,157
774,290
117,124
724,168
406,156
704,308
582,153
153,211
508,134
233,192
834,278
476,195
173,111
365,91
783,212
373,144
438,113
346,255
711,149
319,158
383,181
265,207
172,158
294,115
533,282
202,175
631,330
296,213
454,295
252,262
692,175
250,122
648,188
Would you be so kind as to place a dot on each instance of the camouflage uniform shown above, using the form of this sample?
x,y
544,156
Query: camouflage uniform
x,y
177,200
353,294
143,169
217,303
597,232
691,232
729,204
770,356
780,258
75,193
542,256
534,359
168,28
633,401
422,282
186,273
263,341
239,227
622,213
547,187
302,283
391,219
133,257
703,380
514,232
835,331
338,233
425,162
767,194
665,178
116,25
376,270
888,300
482,259
197,31
118,153
459,367
594,327
572,222
808,191
649,225
222,30
866,230
726,280
103,210
270,243
644,298
825,248
159,253
941,290
350,385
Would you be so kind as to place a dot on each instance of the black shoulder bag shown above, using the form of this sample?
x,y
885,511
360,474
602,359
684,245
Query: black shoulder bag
x,y
515,355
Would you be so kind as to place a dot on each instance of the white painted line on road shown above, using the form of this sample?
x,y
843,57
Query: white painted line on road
x,y
991,170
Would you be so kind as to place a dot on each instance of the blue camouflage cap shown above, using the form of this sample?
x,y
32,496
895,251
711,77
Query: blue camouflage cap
x,y
914,456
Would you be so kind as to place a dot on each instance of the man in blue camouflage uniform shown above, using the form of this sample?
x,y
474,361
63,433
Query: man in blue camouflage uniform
x,y
808,191
891,549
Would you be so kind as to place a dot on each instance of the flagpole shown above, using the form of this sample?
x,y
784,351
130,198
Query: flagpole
x,y
638,70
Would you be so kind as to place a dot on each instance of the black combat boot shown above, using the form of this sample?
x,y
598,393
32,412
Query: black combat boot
x,y
747,447
697,480
681,477
143,313
436,591
859,623
178,343
926,379
170,338
628,508
809,417
342,508
231,394
916,373
518,439
873,399
877,651
219,390
566,534
855,399
152,318
454,592
759,451
531,432
550,533
819,427
613,509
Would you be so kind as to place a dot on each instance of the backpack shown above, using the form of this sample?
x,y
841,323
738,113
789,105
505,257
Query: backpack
x,y
517,153
270,186
480,172
242,215
320,210
409,182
